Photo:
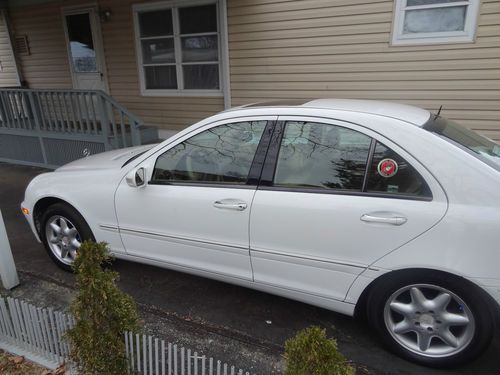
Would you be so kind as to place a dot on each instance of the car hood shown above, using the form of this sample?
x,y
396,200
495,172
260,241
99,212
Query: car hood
x,y
105,160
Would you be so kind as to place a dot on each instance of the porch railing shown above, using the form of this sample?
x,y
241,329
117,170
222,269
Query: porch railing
x,y
74,111
78,121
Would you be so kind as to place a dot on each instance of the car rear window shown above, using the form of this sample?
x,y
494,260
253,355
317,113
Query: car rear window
x,y
475,144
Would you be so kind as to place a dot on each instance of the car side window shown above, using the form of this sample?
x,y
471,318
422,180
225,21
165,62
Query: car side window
x,y
315,155
390,173
222,154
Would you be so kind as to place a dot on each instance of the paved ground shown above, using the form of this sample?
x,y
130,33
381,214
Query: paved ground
x,y
235,324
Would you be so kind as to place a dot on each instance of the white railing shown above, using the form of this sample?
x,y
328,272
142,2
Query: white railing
x,y
39,335
80,112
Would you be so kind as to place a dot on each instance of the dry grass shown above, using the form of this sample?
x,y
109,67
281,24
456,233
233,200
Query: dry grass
x,y
15,365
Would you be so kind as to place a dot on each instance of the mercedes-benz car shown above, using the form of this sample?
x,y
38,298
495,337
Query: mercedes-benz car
x,y
366,208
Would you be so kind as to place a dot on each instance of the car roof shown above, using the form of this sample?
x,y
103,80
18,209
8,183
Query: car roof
x,y
408,113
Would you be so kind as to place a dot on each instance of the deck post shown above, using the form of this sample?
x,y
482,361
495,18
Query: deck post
x,y
104,120
36,112
8,272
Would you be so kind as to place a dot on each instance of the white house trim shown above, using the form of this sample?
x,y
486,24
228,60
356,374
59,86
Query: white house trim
x,y
466,36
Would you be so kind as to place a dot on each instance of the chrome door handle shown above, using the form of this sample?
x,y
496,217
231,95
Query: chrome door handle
x,y
230,204
392,220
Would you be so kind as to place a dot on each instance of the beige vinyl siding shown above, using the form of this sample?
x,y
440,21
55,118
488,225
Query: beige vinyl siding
x,y
48,65
174,112
323,48
9,76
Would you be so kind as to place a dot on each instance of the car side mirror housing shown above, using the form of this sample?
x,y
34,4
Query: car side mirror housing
x,y
136,177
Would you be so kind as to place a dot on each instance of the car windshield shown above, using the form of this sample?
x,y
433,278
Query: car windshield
x,y
483,148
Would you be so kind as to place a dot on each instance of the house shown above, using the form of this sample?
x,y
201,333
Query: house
x,y
173,62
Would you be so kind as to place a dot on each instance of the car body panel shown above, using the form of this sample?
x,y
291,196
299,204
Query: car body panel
x,y
458,235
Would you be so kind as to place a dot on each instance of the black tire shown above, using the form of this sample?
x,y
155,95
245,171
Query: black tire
x,y
68,212
472,296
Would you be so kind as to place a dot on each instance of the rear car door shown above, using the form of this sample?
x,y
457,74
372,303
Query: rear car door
x,y
334,197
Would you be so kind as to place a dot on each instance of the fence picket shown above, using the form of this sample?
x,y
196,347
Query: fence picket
x,y
41,332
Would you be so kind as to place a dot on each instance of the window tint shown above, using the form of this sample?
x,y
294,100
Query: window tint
x,y
322,156
222,154
390,173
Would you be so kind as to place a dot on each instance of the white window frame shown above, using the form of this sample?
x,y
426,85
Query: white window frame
x,y
173,5
466,36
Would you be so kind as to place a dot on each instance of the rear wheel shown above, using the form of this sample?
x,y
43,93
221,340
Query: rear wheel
x,y
62,231
432,319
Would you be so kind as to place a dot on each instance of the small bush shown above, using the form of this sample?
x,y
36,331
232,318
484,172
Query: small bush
x,y
102,313
312,353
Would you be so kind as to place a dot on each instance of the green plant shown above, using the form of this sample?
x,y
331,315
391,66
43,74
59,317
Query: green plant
x,y
102,313
310,352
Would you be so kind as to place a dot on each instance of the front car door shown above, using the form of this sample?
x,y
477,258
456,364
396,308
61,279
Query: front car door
x,y
194,211
335,197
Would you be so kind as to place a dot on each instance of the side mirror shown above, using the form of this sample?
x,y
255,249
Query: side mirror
x,y
136,177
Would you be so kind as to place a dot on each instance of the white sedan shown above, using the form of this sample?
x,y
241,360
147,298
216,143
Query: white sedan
x,y
370,208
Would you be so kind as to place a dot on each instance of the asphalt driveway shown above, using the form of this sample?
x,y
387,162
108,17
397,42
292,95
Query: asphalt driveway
x,y
250,327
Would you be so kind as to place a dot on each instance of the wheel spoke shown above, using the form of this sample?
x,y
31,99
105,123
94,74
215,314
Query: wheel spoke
x,y
455,319
441,302
449,338
418,298
402,327
75,244
64,252
402,308
423,341
64,225
56,228
54,239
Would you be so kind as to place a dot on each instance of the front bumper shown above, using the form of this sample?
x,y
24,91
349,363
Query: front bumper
x,y
30,219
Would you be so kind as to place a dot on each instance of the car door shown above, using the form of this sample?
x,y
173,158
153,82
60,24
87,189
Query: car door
x,y
193,212
334,197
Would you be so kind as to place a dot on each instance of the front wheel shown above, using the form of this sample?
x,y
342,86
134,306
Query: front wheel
x,y
62,231
432,319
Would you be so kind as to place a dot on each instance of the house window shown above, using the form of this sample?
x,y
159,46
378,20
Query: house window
x,y
434,21
178,48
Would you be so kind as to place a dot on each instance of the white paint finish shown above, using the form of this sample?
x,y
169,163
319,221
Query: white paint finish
x,y
465,36
88,80
8,272
189,230
468,185
415,115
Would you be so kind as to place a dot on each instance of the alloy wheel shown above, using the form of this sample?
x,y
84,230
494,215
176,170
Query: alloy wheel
x,y
63,238
429,320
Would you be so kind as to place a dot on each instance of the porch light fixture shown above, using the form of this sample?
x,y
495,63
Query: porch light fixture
x,y
105,14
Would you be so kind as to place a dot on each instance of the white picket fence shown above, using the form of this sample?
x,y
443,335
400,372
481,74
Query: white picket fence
x,y
38,334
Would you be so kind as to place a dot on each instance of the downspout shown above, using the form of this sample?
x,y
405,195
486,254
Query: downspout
x,y
226,75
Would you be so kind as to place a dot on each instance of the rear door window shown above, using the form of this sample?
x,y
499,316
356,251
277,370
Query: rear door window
x,y
390,173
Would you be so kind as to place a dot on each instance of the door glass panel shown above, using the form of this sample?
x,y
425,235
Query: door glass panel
x,y
80,43
324,156
222,154
390,173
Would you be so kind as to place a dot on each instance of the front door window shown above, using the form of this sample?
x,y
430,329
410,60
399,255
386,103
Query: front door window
x,y
81,43
222,155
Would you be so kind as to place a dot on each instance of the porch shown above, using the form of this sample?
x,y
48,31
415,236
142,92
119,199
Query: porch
x,y
52,127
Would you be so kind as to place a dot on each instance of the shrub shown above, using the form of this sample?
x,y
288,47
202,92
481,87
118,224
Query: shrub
x,y
102,313
310,352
